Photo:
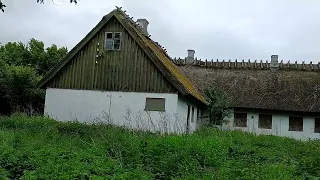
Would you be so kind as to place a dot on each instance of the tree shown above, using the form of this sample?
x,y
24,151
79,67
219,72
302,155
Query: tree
x,y
21,67
14,53
2,6
218,105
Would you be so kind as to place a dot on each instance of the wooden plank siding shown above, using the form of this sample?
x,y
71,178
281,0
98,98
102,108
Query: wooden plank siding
x,y
129,69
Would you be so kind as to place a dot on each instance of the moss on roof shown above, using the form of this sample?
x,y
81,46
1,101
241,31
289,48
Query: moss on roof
x,y
165,60
170,70
284,90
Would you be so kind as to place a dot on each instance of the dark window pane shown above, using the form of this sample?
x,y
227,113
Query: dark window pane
x,y
295,123
117,35
240,119
155,104
116,46
109,35
192,114
198,113
265,121
317,125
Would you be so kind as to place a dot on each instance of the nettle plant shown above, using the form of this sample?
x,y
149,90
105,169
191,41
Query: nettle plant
x,y
218,105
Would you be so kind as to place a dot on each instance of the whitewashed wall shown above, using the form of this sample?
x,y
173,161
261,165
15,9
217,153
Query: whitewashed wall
x,y
280,126
182,110
119,108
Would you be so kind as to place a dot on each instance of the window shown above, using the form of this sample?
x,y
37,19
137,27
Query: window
x,y
155,104
198,113
317,125
265,121
295,123
113,41
240,119
192,114
117,40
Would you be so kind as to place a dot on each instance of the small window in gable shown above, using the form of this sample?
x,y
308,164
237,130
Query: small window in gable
x,y
155,104
295,123
240,119
112,41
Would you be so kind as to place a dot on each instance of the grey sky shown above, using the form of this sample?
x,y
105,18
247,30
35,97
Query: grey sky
x,y
214,29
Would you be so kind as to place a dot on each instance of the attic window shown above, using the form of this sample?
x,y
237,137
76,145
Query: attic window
x,y
112,41
155,104
295,123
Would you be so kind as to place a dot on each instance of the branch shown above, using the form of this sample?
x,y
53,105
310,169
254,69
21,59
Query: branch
x,y
2,6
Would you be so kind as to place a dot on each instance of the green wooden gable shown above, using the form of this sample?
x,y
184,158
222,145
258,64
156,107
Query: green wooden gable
x,y
135,64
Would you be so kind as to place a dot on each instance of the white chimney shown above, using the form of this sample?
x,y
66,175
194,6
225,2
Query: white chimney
x,y
274,64
190,57
144,25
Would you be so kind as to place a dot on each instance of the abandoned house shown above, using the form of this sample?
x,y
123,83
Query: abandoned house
x,y
117,74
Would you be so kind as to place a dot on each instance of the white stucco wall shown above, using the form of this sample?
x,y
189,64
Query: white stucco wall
x,y
280,126
119,108
182,110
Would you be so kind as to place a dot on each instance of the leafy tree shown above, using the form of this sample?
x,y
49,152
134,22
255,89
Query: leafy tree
x,y
52,57
218,105
2,6
4,88
21,67
23,91
14,53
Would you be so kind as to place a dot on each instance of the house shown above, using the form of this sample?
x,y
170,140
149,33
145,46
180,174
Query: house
x,y
117,74
267,97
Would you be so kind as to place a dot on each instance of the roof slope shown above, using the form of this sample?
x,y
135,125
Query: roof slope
x,y
152,49
254,85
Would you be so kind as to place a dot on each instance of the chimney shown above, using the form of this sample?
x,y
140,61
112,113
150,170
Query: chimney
x,y
143,23
274,64
190,57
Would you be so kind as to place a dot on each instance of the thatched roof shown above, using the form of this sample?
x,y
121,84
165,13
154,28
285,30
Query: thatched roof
x,y
156,53
290,87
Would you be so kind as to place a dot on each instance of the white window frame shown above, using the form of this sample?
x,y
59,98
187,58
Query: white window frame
x,y
112,40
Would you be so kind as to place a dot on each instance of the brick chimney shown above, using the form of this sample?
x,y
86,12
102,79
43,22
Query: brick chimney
x,y
190,58
144,25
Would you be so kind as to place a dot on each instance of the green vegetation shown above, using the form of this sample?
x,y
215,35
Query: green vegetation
x,y
21,68
40,148
218,105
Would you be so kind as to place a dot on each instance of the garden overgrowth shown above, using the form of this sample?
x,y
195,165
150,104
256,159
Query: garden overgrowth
x,y
41,148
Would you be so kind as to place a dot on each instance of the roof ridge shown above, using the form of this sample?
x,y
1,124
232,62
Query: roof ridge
x,y
130,20
160,53
228,64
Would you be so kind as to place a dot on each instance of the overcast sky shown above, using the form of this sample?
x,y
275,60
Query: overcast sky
x,y
253,29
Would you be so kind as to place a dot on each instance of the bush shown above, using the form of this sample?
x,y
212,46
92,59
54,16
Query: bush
x,y
35,147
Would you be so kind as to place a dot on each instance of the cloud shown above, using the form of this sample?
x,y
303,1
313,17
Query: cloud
x,y
214,29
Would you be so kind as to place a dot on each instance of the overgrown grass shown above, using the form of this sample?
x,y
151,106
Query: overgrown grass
x,y
40,148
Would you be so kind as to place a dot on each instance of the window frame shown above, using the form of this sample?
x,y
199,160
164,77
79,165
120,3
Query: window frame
x,y
112,39
148,108
259,121
290,122
235,122
119,38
